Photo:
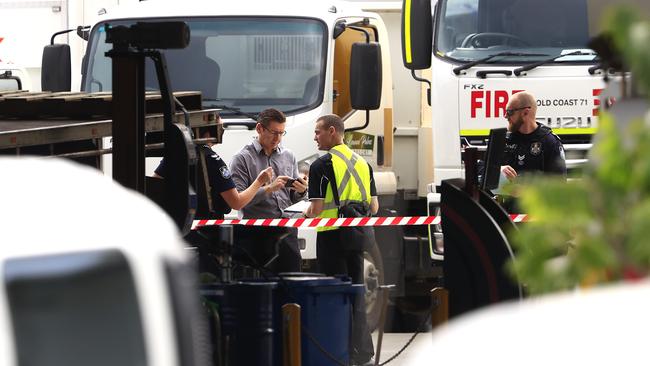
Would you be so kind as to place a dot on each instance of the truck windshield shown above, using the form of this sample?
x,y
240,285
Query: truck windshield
x,y
468,30
247,63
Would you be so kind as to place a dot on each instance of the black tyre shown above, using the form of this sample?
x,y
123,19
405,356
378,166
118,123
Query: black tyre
x,y
373,278
411,314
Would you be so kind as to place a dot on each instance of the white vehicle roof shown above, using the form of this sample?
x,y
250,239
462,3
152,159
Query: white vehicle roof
x,y
321,9
600,326
53,205
56,207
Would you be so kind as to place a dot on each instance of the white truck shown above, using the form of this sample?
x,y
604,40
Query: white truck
x,y
28,25
477,53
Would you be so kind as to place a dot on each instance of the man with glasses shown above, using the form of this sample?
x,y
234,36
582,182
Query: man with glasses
x,y
530,146
269,202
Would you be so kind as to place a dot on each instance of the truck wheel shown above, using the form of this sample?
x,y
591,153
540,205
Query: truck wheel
x,y
373,271
411,313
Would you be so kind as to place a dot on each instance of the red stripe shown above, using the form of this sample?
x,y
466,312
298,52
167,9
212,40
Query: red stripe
x,y
330,222
347,221
523,218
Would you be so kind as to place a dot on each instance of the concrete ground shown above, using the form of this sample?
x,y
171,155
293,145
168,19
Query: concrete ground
x,y
393,342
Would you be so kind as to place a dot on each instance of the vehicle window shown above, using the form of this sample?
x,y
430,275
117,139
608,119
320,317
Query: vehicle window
x,y
8,84
460,19
75,309
472,29
246,63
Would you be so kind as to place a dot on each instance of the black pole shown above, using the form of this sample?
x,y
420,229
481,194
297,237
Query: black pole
x,y
128,116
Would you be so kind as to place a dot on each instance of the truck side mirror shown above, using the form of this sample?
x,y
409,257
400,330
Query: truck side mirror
x,y
365,76
55,68
417,30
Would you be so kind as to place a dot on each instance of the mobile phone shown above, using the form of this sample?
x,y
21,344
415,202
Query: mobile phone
x,y
289,183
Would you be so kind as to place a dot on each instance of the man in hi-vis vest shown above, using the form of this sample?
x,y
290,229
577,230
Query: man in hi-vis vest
x,y
340,250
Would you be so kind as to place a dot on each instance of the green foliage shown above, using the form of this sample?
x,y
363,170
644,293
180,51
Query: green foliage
x,y
595,229
632,37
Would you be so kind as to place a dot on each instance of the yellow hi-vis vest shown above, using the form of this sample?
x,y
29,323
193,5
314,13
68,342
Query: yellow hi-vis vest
x,y
352,180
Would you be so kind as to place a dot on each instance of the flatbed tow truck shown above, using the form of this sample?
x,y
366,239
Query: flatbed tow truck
x,y
77,125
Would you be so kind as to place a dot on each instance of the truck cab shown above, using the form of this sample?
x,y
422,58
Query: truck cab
x,y
483,51
248,57
295,56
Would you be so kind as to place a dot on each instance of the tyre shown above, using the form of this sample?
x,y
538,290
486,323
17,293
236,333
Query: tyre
x,y
411,314
373,271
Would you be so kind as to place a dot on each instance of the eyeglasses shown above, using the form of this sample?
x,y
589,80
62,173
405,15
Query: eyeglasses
x,y
274,133
512,111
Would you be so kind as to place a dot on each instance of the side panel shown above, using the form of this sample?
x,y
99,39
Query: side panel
x,y
407,111
444,122
568,104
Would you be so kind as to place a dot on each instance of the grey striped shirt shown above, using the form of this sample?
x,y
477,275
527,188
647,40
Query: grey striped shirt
x,y
248,163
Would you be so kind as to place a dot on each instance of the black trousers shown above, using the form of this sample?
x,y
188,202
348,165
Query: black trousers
x,y
262,244
335,259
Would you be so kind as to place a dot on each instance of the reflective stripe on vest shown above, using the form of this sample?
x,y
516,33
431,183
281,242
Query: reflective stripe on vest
x,y
346,164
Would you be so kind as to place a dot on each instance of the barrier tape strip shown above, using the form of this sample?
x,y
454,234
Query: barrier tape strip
x,y
338,222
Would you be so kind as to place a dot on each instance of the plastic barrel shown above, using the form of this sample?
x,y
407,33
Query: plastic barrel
x,y
325,305
213,298
252,337
247,323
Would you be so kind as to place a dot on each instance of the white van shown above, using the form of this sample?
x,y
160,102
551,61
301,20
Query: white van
x,y
91,273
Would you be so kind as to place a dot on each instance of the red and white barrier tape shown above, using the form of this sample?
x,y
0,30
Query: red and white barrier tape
x,y
339,222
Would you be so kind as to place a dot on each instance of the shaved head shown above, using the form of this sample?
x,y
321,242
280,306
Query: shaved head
x,y
523,99
520,113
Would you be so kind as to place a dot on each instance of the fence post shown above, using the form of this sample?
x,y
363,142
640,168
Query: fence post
x,y
291,335
439,306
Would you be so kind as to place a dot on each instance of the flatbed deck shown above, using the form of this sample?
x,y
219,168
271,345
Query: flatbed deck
x,y
21,133
29,119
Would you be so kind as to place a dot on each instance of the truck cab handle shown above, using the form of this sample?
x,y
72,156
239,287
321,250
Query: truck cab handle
x,y
484,73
